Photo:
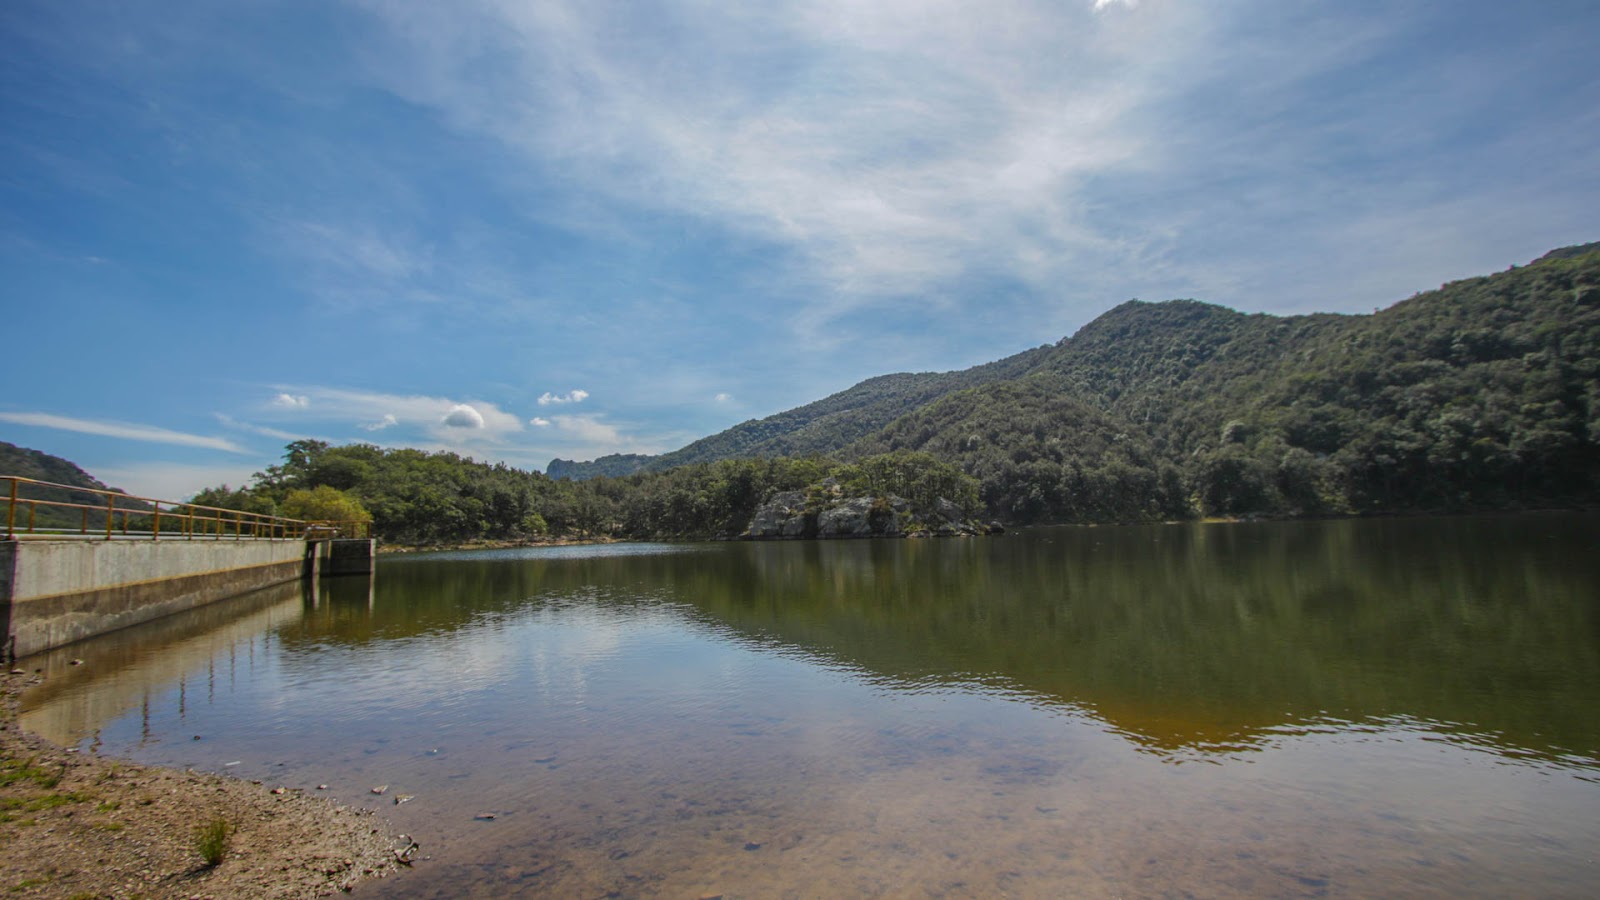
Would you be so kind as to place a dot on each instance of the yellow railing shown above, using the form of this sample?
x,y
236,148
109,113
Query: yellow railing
x,y
123,516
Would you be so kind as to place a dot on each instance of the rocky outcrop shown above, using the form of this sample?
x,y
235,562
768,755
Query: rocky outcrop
x,y
822,511
783,516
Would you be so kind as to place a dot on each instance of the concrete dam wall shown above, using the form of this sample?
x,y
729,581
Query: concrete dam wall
x,y
56,592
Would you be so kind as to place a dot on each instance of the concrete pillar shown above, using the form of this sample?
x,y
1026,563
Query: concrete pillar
x,y
349,556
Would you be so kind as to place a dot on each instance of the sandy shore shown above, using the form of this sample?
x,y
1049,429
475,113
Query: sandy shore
x,y
76,825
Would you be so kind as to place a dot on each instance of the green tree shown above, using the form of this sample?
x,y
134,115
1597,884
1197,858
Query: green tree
x,y
324,504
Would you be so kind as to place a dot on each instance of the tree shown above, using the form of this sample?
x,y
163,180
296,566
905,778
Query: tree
x,y
324,504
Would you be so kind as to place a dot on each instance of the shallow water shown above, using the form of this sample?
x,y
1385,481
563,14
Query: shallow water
x,y
1279,709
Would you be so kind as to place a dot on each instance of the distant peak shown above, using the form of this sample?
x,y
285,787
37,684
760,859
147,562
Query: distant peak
x,y
1572,252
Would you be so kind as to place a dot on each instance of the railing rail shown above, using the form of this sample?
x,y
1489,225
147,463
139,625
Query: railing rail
x,y
145,518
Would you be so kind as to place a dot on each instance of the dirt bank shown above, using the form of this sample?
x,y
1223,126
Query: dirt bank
x,y
76,825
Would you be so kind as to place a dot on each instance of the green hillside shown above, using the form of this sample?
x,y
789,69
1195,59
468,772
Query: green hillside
x,y
26,463
1482,394
817,428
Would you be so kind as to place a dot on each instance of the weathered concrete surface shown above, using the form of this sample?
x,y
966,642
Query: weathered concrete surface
x,y
56,592
347,556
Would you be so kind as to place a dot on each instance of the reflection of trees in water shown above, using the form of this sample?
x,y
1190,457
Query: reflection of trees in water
x,y
1206,636
1185,637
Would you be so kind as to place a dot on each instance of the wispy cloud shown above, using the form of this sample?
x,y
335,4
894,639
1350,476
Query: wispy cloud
x,y
940,159
591,430
274,433
891,147
172,481
124,430
291,401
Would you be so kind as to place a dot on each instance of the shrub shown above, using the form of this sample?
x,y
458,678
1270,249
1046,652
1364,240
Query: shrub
x,y
211,841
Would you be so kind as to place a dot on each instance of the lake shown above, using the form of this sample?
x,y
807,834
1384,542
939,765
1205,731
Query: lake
x,y
1342,708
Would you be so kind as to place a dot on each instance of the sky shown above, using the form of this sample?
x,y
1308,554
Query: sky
x,y
526,230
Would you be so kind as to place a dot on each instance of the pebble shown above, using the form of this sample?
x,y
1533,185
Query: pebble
x,y
403,798
752,845
484,817
322,787
380,789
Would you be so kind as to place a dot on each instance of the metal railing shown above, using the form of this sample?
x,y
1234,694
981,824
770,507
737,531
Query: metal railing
x,y
114,516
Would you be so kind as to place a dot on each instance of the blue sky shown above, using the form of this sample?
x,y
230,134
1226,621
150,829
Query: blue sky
x,y
526,230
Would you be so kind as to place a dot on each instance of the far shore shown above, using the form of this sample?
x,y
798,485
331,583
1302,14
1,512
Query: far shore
x,y
385,547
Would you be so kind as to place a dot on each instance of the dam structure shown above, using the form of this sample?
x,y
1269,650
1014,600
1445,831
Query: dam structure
x,y
77,562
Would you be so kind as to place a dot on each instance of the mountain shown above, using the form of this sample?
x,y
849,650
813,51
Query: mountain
x,y
822,427
613,466
1483,393
26,463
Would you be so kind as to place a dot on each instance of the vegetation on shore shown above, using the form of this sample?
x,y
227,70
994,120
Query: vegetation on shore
x,y
1484,394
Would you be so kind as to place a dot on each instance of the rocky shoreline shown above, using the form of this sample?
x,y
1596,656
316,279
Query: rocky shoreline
x,y
83,826
825,511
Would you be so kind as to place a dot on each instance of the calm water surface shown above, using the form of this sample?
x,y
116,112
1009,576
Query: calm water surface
x,y
1349,708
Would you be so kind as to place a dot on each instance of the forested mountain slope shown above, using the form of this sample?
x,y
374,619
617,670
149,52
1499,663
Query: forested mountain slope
x,y
1484,394
816,428
39,466
1480,394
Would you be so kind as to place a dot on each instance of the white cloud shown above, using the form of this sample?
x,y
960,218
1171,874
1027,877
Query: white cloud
x,y
1102,4
455,422
172,481
577,396
462,415
541,422
724,398
124,430
291,401
591,430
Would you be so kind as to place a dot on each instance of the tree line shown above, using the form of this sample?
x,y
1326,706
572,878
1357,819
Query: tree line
x,y
420,498
1484,394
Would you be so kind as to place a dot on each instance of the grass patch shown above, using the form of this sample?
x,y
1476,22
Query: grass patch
x,y
211,841
31,883
16,771
37,804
